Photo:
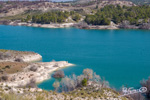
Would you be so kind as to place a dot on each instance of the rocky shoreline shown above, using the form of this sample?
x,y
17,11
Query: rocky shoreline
x,y
35,71
27,70
80,25
63,25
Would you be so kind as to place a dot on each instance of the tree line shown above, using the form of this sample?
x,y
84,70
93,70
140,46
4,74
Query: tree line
x,y
53,17
135,15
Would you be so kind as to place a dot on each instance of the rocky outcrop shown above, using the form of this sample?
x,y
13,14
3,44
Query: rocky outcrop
x,y
86,26
141,26
23,74
103,3
145,26
81,25
29,73
18,56
128,27
5,22
116,2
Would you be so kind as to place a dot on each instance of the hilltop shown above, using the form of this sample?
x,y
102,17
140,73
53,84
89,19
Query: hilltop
x,y
138,2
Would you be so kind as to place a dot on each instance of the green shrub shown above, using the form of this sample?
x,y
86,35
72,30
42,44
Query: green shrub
x,y
76,17
84,82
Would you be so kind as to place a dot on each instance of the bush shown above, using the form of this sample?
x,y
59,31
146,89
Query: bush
x,y
88,73
4,78
97,20
137,96
31,84
28,18
4,55
19,60
76,17
50,17
56,85
33,68
59,74
84,82
7,66
70,83
146,83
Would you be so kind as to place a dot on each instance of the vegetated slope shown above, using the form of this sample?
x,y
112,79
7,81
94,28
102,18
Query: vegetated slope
x,y
135,15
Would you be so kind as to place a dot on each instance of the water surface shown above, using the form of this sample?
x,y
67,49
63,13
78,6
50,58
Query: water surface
x,y
121,56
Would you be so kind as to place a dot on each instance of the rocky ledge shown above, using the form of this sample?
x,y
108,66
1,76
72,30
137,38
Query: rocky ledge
x,y
18,56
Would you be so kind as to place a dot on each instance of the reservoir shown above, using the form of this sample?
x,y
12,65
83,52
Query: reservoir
x,y
122,57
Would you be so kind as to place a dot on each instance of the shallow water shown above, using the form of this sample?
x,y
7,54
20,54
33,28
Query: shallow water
x,y
121,56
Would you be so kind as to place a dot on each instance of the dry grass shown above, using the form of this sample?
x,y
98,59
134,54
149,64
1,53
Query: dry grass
x,y
14,52
12,67
13,97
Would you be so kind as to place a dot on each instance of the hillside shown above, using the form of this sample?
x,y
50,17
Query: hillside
x,y
107,14
23,8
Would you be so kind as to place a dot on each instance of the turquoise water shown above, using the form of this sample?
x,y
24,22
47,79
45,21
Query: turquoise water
x,y
121,56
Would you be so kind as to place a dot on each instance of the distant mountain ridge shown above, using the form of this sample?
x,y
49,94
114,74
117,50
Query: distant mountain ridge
x,y
134,1
140,1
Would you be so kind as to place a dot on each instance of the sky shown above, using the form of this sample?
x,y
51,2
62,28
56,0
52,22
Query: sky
x,y
61,0
38,0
